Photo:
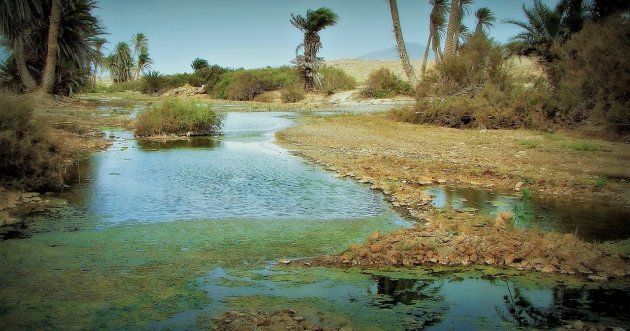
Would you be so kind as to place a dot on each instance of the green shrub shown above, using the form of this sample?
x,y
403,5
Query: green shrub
x,y
266,97
583,146
383,83
132,85
529,143
592,75
29,159
335,80
292,95
245,85
174,116
489,108
153,82
478,63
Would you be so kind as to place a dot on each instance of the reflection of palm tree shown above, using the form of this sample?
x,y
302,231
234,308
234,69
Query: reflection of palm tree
x,y
524,314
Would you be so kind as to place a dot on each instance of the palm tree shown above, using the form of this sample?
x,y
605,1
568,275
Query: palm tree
x,y
99,42
199,64
453,21
32,29
120,63
17,20
455,27
139,42
311,25
542,28
437,20
400,42
144,62
48,78
485,19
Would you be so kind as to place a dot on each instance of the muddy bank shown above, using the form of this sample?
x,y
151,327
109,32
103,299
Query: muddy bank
x,y
401,159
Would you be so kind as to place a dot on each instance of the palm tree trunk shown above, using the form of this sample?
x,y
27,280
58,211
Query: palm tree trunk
x,y
25,75
426,50
48,79
402,51
453,23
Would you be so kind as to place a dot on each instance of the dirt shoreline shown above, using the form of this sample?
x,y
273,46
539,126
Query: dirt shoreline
x,y
400,159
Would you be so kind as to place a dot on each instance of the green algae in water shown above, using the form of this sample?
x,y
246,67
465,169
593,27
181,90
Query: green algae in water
x,y
126,276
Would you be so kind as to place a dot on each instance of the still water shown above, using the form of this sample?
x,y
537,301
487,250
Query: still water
x,y
170,235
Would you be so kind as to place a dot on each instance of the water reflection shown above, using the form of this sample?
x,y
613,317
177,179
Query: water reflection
x,y
198,142
403,291
436,302
591,222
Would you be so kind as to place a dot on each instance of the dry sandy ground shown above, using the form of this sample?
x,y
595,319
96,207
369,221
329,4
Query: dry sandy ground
x,y
377,147
361,69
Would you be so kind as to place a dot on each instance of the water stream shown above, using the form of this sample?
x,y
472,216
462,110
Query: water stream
x,y
162,235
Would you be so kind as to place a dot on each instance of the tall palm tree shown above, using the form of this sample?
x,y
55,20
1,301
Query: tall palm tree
x,y
311,25
453,22
455,27
143,63
27,31
120,63
400,42
461,30
140,44
99,44
542,28
17,21
48,78
485,19
437,20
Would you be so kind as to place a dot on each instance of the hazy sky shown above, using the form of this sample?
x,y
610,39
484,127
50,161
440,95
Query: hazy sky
x,y
257,33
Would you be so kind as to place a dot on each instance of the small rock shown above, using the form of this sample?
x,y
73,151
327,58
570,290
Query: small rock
x,y
285,261
375,236
548,268
518,186
376,248
363,252
597,278
441,181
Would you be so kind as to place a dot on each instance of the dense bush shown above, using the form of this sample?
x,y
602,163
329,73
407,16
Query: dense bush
x,y
132,85
520,107
383,83
592,75
292,94
245,85
335,80
174,116
478,63
29,159
153,82
473,89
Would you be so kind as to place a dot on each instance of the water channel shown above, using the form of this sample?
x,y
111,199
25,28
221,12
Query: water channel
x,y
170,235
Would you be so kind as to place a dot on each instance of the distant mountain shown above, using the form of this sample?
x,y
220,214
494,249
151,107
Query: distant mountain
x,y
415,51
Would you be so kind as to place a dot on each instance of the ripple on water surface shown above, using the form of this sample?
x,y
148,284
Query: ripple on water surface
x,y
240,175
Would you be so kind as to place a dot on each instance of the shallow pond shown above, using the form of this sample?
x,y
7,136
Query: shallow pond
x,y
169,235
589,221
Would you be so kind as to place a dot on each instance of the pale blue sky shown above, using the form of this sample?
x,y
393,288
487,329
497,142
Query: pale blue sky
x,y
257,33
